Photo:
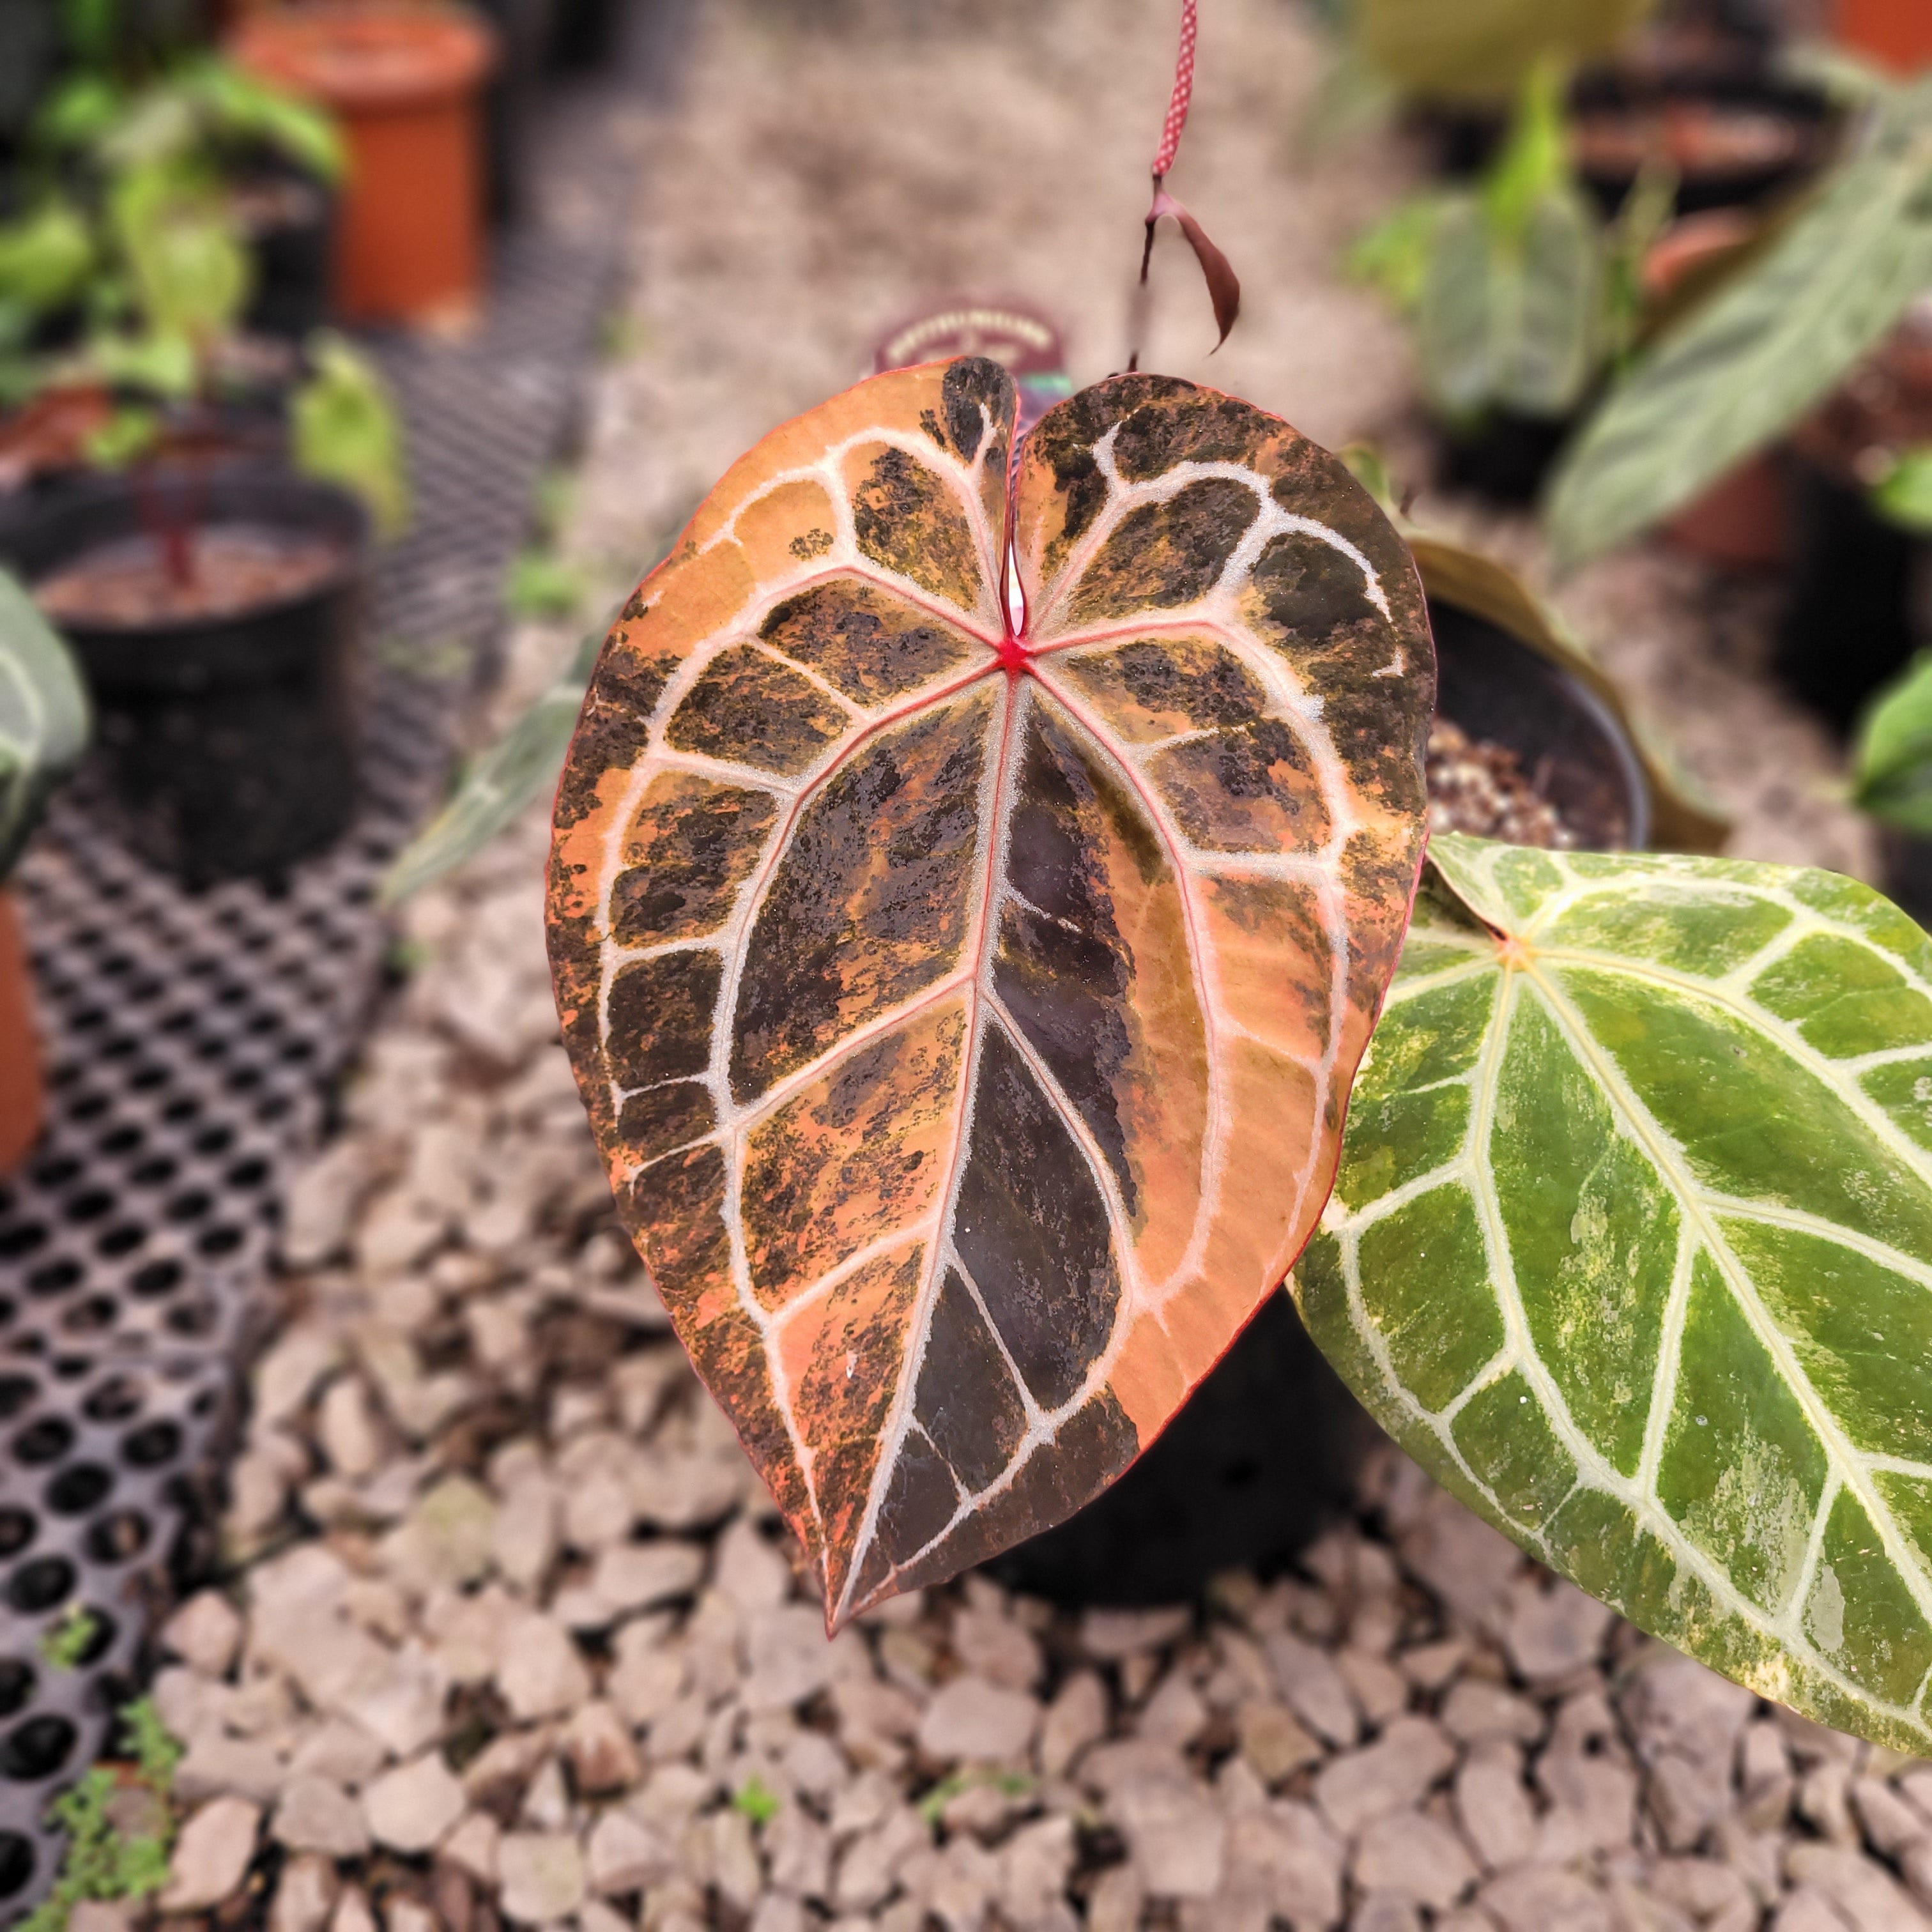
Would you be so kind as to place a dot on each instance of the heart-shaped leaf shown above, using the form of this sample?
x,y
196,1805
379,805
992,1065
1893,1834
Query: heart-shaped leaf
x,y
967,1008
1632,1247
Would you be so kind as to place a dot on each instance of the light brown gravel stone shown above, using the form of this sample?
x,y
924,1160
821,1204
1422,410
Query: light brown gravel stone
x,y
215,1762
205,1633
1389,1775
991,1645
1076,1718
345,1426
540,1673
1387,1912
972,1721
1546,1898
1110,1637
1273,1743
212,1855
626,1853
410,1808
541,1875
631,1576
1863,1893
471,1847
1178,1838
1475,1709
1315,1690
1284,1857
1034,1865
1493,1804
1889,1823
1380,1691
316,1815
1764,1777
1115,1902
1409,1853
353,1913
799,1849
1552,1630
303,1895
596,1744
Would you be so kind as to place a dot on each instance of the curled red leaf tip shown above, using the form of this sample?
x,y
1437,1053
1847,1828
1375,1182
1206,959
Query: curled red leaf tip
x,y
1224,286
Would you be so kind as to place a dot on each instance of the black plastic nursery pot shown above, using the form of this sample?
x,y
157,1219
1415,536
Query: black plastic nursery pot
x,y
1849,623
227,743
1733,139
288,218
1576,753
1502,455
1266,1452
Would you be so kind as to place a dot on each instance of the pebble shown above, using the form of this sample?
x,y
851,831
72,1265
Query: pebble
x,y
212,1855
541,1875
205,1633
978,1722
1410,1854
409,1809
540,1674
317,1815
1390,1774
303,1895
596,1744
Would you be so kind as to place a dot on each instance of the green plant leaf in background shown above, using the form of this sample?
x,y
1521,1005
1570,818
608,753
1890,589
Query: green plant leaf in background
x,y
1511,310
1903,495
343,428
1632,1248
44,257
1892,764
191,271
1773,341
1482,49
43,716
519,767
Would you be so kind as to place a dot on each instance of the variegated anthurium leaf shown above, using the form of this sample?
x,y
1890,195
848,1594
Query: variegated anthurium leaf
x,y
1632,1247
966,1006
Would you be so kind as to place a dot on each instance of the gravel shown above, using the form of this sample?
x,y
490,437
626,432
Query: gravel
x,y
516,1638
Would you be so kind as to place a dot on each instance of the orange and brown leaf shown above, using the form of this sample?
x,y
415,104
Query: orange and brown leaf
x,y
967,1013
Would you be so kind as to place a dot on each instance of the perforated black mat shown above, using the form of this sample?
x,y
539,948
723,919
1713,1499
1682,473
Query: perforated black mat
x,y
191,1042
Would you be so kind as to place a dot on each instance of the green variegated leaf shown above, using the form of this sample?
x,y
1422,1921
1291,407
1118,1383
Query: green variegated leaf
x,y
43,716
1773,341
1632,1247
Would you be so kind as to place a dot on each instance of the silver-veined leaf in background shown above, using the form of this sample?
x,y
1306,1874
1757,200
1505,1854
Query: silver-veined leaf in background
x,y
521,766
43,716
1775,340
1891,767
1512,306
1631,1247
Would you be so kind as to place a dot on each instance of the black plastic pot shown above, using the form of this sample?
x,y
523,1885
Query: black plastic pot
x,y
227,745
1849,623
1503,456
1261,1458
1577,755
1803,114
288,219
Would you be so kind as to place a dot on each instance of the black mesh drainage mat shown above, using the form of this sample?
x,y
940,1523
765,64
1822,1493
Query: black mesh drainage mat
x,y
190,1042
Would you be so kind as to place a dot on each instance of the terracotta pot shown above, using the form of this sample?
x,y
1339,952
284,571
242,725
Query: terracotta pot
x,y
1743,522
405,82
20,1090
1896,32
